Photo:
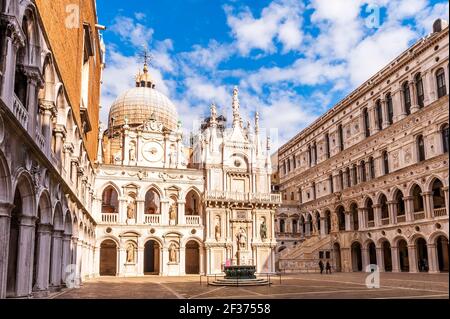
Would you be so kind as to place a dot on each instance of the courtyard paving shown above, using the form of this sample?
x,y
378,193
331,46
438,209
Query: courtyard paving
x,y
292,286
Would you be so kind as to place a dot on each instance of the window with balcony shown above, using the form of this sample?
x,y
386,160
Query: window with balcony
x,y
419,89
440,81
406,98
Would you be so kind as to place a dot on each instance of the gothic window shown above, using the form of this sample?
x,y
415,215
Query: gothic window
x,y
354,174
419,89
347,173
417,199
379,111
314,153
366,123
384,207
386,162
400,203
407,98
294,162
309,155
369,207
420,148
390,108
341,137
110,201
440,80
445,137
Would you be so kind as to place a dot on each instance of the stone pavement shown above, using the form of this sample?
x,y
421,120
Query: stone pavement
x,y
294,286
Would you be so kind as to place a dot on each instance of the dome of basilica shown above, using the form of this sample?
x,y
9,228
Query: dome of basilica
x,y
137,105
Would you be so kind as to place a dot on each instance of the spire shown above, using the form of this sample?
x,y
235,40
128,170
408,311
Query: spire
x,y
236,116
144,79
213,109
256,123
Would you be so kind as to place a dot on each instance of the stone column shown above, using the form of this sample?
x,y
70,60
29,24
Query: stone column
x,y
428,204
25,255
385,113
445,189
380,259
65,255
140,211
395,259
60,133
43,258
74,256
121,258
398,105
182,261
164,212
412,258
409,209
377,214
414,98
348,226
392,211
181,210
365,258
140,261
46,109
433,266
5,218
55,273
96,265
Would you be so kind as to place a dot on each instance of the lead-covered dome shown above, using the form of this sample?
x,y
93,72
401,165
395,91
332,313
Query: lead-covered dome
x,y
137,105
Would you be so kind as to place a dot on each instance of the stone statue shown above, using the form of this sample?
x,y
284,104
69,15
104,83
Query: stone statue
x,y
263,229
130,210
173,213
173,253
241,239
217,230
130,253
132,152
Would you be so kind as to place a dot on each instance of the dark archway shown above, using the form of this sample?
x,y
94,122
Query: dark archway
x,y
403,255
387,256
372,253
151,257
442,253
192,264
356,257
13,245
108,258
337,256
422,255
341,217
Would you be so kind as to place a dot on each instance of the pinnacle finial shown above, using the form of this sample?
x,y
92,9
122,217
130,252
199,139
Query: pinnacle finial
x,y
236,116
213,113
256,122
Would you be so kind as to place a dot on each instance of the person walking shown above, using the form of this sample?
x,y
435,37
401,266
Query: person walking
x,y
321,267
328,267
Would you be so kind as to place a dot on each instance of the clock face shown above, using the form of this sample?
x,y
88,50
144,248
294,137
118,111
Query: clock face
x,y
152,152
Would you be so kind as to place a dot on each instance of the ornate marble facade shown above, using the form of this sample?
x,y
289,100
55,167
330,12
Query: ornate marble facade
x,y
367,183
170,209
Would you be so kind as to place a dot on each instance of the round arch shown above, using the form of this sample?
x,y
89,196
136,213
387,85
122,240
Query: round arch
x,y
5,179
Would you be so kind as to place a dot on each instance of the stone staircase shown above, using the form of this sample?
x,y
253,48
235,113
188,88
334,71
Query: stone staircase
x,y
305,257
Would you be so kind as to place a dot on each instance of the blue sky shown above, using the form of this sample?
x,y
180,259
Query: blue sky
x,y
292,60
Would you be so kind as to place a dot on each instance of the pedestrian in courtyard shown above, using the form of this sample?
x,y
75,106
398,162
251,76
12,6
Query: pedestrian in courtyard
x,y
328,267
321,267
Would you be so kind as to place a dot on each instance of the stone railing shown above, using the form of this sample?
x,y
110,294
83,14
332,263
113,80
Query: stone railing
x,y
419,215
385,221
40,139
243,197
110,218
371,223
193,220
438,212
401,219
152,219
20,112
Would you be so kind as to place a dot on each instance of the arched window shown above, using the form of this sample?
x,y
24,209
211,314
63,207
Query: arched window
x,y
379,111
341,137
366,123
384,209
417,199
371,168
400,203
440,81
445,137
354,214
390,108
347,173
341,180
110,202
386,162
369,207
327,145
363,171
438,194
419,89
153,203
407,98
420,148
354,174
341,217
314,153
282,226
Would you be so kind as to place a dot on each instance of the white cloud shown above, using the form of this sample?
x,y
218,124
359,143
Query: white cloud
x,y
132,32
281,19
208,57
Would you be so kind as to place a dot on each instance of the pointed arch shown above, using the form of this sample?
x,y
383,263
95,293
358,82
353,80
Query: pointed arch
x,y
45,208
5,179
